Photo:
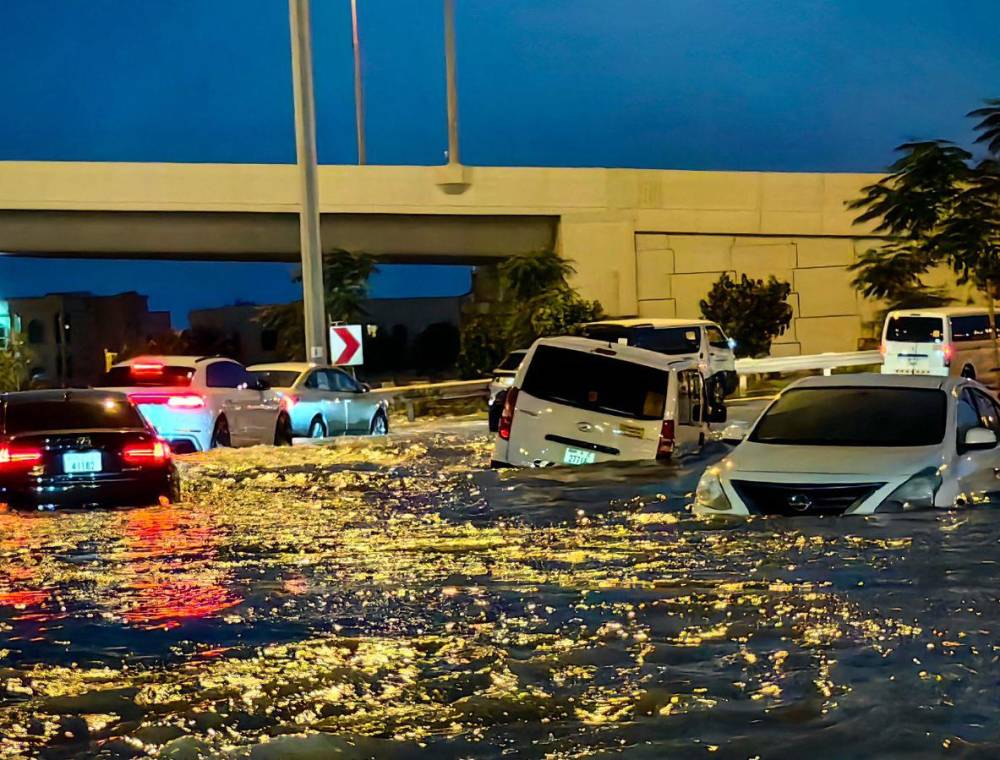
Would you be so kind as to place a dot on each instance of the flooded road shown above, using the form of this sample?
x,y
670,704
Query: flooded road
x,y
396,598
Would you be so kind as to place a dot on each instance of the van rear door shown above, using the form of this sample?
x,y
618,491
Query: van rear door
x,y
579,407
915,344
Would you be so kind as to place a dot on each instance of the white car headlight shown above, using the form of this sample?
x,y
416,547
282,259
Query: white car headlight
x,y
916,493
710,493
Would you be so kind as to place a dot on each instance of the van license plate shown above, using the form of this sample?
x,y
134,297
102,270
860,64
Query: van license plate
x,y
579,456
81,462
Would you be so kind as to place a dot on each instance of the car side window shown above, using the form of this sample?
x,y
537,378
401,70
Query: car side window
x,y
341,381
227,375
989,414
967,416
689,396
716,339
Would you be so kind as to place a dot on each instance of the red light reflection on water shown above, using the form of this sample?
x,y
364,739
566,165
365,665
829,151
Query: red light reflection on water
x,y
169,554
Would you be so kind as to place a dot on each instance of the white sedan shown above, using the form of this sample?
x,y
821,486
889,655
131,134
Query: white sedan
x,y
861,444
323,401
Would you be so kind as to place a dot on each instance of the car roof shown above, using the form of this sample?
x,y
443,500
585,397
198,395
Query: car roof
x,y
876,380
943,311
283,367
57,394
620,351
656,324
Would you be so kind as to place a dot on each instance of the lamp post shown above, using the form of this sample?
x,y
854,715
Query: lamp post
x,y
310,245
449,59
359,95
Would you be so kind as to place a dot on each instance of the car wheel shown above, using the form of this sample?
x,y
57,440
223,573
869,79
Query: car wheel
x,y
283,431
968,371
317,428
380,423
220,436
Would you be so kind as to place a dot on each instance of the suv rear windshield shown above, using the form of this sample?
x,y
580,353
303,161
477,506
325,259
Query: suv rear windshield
x,y
598,383
92,413
855,417
125,376
915,329
667,340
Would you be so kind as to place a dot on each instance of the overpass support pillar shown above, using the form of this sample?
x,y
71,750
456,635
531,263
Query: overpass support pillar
x,y
602,250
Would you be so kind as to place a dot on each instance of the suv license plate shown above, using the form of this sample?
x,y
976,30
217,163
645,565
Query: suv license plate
x,y
579,456
81,462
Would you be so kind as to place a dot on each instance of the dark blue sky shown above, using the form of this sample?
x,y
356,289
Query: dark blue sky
x,y
798,85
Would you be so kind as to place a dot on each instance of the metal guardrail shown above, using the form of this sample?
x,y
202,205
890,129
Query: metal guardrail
x,y
457,389
825,362
409,394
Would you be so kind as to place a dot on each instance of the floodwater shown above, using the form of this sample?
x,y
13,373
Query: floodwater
x,y
396,598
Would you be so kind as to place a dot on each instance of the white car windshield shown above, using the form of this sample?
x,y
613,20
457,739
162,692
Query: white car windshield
x,y
855,417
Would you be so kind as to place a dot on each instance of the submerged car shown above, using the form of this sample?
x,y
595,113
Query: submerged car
x,y
578,401
323,401
80,448
861,444
198,403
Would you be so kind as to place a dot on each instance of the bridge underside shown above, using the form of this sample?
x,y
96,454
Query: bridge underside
x,y
256,236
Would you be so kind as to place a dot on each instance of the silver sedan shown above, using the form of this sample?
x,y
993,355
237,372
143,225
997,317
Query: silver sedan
x,y
324,401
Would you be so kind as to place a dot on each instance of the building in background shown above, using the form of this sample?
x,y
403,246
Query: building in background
x,y
406,318
9,323
68,333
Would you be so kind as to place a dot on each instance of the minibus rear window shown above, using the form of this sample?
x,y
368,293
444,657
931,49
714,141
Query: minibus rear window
x,y
597,383
915,329
971,327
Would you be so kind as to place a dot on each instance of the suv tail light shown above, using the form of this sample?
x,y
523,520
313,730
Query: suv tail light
x,y
14,457
666,445
949,352
173,400
151,453
507,415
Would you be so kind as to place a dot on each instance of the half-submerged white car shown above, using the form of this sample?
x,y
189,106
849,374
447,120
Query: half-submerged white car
x,y
860,444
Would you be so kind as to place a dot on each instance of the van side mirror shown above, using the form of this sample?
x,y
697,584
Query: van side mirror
x,y
979,439
716,413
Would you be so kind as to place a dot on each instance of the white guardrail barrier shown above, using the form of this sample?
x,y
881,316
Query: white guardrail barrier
x,y
407,394
825,362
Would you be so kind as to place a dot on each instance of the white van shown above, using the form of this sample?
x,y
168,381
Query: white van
x,y
943,341
697,339
580,401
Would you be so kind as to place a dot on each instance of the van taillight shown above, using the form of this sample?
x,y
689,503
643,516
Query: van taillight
x,y
507,415
883,349
666,445
949,351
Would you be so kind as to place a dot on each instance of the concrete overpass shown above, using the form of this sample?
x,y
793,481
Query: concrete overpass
x,y
644,242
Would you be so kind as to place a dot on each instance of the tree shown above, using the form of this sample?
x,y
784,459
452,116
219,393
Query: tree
x,y
536,301
345,287
753,312
15,363
937,207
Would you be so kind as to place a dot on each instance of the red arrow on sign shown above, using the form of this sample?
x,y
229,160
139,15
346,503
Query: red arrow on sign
x,y
351,345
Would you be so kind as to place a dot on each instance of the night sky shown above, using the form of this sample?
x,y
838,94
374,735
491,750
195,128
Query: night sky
x,y
809,85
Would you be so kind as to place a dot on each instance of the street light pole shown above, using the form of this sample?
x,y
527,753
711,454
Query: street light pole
x,y
449,58
359,95
310,245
